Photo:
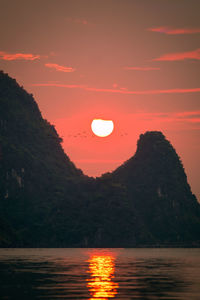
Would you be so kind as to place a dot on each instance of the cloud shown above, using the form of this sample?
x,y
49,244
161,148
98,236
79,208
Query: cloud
x,y
174,31
18,56
60,68
141,68
145,92
185,116
78,21
180,56
68,86
119,91
190,114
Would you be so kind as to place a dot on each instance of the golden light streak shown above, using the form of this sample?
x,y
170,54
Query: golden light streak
x,y
100,283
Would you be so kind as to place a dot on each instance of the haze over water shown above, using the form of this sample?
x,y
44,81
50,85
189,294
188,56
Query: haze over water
x,y
96,274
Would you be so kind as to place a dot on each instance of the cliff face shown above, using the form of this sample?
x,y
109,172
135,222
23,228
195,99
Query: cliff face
x,y
34,170
45,201
157,184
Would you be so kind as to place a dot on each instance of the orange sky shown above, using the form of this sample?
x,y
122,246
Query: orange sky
x,y
134,61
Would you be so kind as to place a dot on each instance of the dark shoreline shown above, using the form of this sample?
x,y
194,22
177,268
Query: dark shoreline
x,y
185,246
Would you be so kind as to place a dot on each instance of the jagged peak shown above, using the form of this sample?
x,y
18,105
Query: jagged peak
x,y
155,134
14,96
154,141
151,137
153,151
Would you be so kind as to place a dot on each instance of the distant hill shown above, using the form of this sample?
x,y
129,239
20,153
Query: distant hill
x,y
45,201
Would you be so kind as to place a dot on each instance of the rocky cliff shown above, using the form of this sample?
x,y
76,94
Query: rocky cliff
x,y
45,201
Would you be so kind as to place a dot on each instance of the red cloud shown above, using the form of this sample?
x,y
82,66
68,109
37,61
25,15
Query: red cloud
x,y
78,21
147,92
18,56
173,31
117,91
180,56
141,68
68,86
185,116
60,68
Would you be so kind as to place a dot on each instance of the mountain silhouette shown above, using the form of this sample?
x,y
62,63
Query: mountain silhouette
x,y
45,201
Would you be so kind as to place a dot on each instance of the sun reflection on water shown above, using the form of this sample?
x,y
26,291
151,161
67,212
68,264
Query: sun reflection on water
x,y
100,283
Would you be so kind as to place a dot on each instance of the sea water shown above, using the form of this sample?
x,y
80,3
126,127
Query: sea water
x,y
96,274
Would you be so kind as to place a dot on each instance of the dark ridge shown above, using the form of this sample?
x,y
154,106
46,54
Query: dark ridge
x,y
45,201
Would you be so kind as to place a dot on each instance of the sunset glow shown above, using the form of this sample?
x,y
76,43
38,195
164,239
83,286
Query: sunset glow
x,y
113,61
100,149
101,284
102,128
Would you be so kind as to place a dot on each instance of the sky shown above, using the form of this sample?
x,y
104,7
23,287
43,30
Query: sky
x,y
136,62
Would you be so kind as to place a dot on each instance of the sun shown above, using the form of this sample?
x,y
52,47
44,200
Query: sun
x,y
102,128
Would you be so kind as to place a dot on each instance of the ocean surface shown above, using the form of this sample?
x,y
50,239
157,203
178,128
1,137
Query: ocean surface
x,y
96,274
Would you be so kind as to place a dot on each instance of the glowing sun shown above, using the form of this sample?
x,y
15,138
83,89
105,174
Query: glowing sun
x,y
101,127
